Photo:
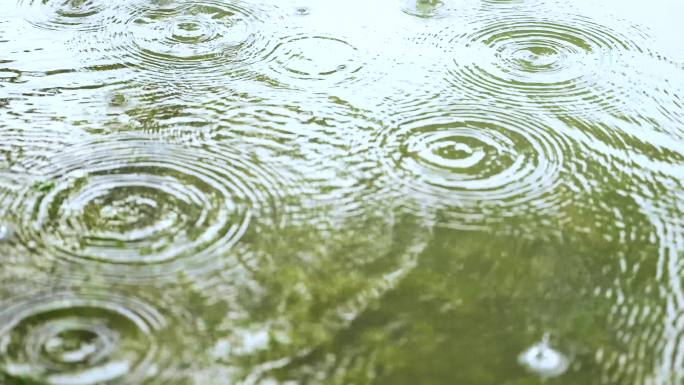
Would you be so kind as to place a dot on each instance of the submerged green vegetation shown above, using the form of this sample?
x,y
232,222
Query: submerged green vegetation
x,y
210,192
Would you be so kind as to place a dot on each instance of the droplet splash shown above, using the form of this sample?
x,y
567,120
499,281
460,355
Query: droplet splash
x,y
5,232
543,360
422,8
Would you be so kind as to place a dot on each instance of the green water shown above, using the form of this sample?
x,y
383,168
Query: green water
x,y
390,192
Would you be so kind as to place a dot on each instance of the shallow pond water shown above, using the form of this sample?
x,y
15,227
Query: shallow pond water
x,y
202,192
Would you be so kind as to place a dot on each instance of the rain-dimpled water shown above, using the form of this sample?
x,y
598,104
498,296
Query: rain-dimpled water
x,y
388,192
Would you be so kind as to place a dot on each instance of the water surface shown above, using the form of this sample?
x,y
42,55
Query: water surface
x,y
316,192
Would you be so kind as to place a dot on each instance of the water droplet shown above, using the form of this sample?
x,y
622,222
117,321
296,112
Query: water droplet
x,y
117,100
303,11
5,232
425,8
543,360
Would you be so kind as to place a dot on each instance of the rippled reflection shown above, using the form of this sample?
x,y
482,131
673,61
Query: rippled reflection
x,y
202,43
201,192
131,202
481,164
66,338
297,57
329,274
58,14
544,65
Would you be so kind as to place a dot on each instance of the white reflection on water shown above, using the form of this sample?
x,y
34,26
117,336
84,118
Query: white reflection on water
x,y
544,360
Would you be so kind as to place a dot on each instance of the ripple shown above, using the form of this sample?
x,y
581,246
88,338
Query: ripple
x,y
190,44
441,9
136,208
303,132
544,65
331,275
81,15
172,121
424,8
479,162
67,338
311,59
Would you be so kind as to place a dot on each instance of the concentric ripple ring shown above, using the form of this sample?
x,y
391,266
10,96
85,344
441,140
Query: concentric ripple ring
x,y
311,59
81,15
543,65
430,9
480,163
133,207
68,338
198,42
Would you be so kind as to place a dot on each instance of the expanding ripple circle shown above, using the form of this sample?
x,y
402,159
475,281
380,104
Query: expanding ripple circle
x,y
543,65
136,208
199,42
435,9
69,338
311,60
479,163
82,15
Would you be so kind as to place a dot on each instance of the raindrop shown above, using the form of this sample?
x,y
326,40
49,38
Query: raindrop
x,y
302,11
117,100
425,8
543,360
5,232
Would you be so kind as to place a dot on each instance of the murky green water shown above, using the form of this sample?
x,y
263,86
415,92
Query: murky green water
x,y
205,192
